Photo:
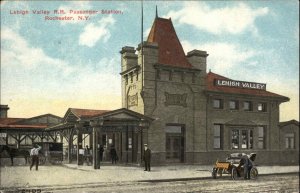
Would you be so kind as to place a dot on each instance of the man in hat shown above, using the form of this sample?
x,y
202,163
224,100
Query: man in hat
x,y
34,154
147,157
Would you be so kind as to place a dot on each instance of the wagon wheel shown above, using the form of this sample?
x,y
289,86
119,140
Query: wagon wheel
x,y
234,174
214,173
42,159
253,173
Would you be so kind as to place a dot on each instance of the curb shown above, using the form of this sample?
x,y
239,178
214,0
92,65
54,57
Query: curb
x,y
207,177
102,184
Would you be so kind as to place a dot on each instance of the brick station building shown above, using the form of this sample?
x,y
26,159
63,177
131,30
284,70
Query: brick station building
x,y
184,113
200,117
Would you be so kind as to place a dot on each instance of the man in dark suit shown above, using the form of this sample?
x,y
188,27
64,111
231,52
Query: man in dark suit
x,y
247,165
147,157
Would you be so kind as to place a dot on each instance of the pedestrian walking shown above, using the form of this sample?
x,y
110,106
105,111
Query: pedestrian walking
x,y
34,154
147,158
113,155
87,155
101,150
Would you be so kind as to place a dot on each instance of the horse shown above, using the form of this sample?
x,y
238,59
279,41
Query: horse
x,y
13,152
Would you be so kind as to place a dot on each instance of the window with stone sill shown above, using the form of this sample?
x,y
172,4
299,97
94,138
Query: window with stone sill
x,y
262,107
290,141
217,103
247,106
233,105
261,137
242,138
218,141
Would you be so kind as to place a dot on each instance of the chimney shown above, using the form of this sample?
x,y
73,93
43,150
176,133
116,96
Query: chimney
x,y
198,59
3,111
129,58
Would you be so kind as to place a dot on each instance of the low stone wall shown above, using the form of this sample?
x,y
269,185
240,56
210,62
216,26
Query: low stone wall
x,y
209,158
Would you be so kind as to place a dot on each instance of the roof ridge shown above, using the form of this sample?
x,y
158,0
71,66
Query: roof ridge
x,y
170,50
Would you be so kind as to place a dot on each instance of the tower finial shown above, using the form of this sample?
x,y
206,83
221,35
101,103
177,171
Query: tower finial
x,y
156,16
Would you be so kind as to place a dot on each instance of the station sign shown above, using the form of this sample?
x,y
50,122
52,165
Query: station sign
x,y
240,84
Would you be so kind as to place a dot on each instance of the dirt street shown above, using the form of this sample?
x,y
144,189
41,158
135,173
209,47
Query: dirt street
x,y
287,183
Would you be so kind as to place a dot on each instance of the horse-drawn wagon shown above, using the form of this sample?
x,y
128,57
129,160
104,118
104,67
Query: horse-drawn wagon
x,y
234,166
51,152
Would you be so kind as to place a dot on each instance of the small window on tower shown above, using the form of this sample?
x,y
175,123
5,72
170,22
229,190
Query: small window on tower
x,y
170,75
158,74
193,78
131,77
126,79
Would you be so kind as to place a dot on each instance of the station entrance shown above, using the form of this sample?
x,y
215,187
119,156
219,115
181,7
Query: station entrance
x,y
175,143
122,129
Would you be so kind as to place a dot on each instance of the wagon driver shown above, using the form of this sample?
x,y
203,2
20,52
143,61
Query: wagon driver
x,y
34,154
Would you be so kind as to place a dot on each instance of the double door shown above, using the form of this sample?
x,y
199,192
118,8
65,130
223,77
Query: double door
x,y
175,145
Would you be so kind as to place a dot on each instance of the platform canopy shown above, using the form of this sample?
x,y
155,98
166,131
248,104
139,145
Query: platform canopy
x,y
85,119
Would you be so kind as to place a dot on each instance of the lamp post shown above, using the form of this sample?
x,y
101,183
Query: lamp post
x,y
78,127
96,124
142,124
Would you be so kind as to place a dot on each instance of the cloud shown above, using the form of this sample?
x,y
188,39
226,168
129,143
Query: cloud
x,y
146,33
296,33
222,56
95,32
231,60
2,3
232,20
29,74
74,5
16,51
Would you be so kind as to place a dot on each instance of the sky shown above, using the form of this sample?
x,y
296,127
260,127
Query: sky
x,y
48,66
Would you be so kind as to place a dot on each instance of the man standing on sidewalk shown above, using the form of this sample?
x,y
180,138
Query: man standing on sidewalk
x,y
147,157
34,154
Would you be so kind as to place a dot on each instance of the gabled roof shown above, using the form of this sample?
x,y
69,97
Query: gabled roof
x,y
28,120
7,121
24,123
170,51
18,126
82,113
210,86
87,112
122,113
293,121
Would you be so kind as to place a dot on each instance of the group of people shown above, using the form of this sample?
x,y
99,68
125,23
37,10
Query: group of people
x,y
101,152
34,154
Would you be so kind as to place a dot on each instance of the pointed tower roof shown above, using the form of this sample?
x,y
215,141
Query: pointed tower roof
x,y
170,49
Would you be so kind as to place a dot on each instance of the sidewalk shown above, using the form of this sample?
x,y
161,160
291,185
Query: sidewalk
x,y
73,175
172,172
